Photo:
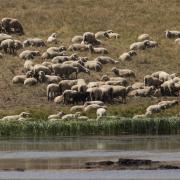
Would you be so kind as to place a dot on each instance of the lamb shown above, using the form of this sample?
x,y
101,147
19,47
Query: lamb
x,y
47,78
172,34
127,56
53,90
64,70
101,112
143,37
19,79
56,116
37,42
105,60
52,38
30,81
139,45
78,47
28,54
123,72
98,50
16,117
59,99
77,39
94,65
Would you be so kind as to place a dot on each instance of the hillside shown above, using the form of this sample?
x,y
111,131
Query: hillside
x,y
74,17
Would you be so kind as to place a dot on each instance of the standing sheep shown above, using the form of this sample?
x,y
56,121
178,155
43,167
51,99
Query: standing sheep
x,y
101,112
52,91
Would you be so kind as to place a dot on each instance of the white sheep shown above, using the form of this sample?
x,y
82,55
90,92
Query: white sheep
x,y
53,90
123,72
59,99
56,116
77,39
30,81
127,56
98,50
105,60
101,112
19,79
139,45
172,34
16,117
113,35
71,116
52,38
143,37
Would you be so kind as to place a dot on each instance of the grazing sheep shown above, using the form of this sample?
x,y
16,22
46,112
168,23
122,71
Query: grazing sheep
x,y
37,42
161,75
52,38
153,109
94,65
78,108
89,38
11,25
16,117
61,59
101,112
47,78
177,41
40,67
8,46
168,87
78,47
95,84
113,35
65,70
59,99
139,45
92,108
18,44
172,34
152,44
56,116
123,72
30,81
102,34
95,93
4,37
19,79
71,116
114,80
138,85
28,65
100,103
167,104
77,39
105,60
52,91
28,54
98,50
66,84
143,37
152,81
145,92
127,56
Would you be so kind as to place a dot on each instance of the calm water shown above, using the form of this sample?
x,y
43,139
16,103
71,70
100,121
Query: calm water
x,y
48,158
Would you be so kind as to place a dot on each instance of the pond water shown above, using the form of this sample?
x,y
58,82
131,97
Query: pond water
x,y
51,157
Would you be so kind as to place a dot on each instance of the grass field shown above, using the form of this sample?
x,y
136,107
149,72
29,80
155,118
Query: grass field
x,y
129,18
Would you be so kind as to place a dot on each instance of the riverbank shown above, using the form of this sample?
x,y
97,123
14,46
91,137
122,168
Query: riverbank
x,y
108,126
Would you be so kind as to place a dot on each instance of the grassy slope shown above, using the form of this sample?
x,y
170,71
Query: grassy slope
x,y
73,17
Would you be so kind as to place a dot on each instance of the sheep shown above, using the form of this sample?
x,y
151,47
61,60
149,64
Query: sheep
x,y
105,60
95,93
156,108
161,75
172,34
176,80
37,42
19,79
16,117
139,116
138,85
71,116
47,64
89,38
53,90
1,55
59,49
66,84
139,45
152,44
168,87
95,84
102,34
143,37
56,116
67,94
4,37
167,104
100,103
28,65
98,50
42,77
152,81
127,56
50,55
11,25
101,112
113,35
77,39
177,41
30,81
145,92
28,54
92,108
123,72
39,67
64,70
107,93
18,44
114,80
52,38
59,99
77,108
8,46
93,65
78,47
61,59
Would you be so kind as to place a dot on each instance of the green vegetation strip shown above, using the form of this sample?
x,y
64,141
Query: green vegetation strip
x,y
118,126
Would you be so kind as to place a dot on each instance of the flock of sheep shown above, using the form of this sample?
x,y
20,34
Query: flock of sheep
x,y
60,71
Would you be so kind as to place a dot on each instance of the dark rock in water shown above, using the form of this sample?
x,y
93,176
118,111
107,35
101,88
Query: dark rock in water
x,y
133,162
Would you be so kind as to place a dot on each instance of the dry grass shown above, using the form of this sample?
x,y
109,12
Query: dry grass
x,y
73,17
